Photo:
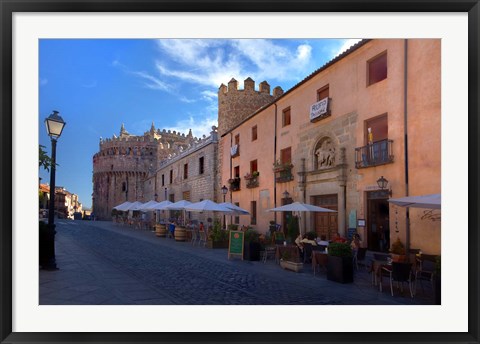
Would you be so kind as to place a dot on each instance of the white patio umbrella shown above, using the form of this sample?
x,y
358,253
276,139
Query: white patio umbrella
x,y
236,209
207,205
302,207
180,205
150,205
161,205
433,201
123,206
135,206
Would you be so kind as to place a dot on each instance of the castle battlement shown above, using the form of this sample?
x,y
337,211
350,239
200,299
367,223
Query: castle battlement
x,y
248,86
234,105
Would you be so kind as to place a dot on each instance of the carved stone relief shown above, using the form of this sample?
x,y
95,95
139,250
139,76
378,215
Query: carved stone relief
x,y
324,154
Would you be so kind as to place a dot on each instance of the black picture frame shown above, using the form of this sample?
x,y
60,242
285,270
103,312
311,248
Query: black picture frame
x,y
9,7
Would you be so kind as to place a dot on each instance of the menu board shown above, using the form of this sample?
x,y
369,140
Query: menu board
x,y
235,243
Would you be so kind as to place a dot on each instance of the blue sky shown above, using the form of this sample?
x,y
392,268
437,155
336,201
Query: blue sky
x,y
98,84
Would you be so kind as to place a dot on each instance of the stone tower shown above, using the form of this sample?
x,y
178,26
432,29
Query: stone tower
x,y
234,105
123,162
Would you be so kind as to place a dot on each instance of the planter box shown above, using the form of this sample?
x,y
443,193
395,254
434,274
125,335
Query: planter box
x,y
340,269
251,251
292,266
217,244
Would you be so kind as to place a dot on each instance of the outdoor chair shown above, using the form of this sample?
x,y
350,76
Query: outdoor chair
x,y
307,253
195,236
269,251
202,238
425,270
399,272
359,257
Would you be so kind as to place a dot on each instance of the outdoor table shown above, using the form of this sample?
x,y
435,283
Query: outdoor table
x,y
319,258
293,250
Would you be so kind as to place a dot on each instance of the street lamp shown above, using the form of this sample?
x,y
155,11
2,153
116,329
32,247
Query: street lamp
x,y
55,125
286,194
224,192
383,184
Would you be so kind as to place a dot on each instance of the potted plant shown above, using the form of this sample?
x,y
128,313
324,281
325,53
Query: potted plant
x,y
287,262
397,251
217,237
234,183
251,245
293,228
340,263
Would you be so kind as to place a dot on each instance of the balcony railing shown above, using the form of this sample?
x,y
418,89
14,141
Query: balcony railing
x,y
234,184
378,153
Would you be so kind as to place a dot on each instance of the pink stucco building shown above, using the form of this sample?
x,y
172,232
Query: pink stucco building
x,y
372,112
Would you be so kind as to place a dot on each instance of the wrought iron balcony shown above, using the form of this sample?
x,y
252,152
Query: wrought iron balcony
x,y
378,153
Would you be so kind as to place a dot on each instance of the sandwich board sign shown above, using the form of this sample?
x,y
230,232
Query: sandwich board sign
x,y
235,243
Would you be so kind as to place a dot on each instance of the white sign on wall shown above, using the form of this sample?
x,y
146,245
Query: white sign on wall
x,y
319,109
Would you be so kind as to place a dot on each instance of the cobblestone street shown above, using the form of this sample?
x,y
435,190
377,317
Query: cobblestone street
x,y
104,263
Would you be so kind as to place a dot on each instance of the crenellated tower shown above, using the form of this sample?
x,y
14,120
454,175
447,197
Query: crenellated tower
x,y
234,104
123,162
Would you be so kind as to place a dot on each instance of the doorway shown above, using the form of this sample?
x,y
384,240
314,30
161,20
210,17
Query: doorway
x,y
378,218
326,223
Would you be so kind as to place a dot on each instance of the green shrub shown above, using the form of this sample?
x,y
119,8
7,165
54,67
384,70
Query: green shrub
x,y
252,235
293,228
340,249
217,233
232,227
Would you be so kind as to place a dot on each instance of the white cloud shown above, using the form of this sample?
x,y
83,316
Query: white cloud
x,y
345,45
153,82
200,126
213,62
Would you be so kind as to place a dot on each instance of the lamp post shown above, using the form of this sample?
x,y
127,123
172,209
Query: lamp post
x,y
383,184
55,125
224,192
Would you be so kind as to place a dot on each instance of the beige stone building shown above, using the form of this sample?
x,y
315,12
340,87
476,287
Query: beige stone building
x,y
312,144
190,174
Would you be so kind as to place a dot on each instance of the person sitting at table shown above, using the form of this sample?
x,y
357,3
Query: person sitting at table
x,y
309,239
355,244
322,241
339,238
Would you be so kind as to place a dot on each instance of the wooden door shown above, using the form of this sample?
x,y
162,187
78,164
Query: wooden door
x,y
326,223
